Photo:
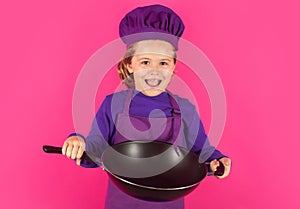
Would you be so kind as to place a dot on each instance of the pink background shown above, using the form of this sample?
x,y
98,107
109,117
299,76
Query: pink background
x,y
254,45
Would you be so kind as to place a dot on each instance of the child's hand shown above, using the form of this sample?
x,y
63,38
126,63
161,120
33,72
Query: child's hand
x,y
227,164
73,148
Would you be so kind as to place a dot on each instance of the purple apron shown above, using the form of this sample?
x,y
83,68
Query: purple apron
x,y
130,128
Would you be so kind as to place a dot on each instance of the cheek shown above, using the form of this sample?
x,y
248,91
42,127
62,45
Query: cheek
x,y
136,68
171,68
133,68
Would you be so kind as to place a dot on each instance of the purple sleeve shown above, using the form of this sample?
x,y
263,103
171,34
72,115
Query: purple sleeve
x,y
195,135
100,133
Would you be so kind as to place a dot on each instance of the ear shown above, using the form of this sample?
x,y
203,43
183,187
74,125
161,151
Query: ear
x,y
129,68
174,68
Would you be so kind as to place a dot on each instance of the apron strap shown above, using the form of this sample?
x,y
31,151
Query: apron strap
x,y
174,104
177,131
128,101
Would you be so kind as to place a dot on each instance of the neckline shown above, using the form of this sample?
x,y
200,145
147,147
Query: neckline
x,y
136,92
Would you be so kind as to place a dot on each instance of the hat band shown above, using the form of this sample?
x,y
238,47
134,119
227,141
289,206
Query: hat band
x,y
133,38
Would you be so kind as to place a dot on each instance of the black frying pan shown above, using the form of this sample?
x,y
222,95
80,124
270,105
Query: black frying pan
x,y
150,170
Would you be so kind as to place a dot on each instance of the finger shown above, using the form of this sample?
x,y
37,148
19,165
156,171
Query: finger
x,y
226,171
227,165
213,165
80,152
69,150
78,160
74,151
64,147
226,161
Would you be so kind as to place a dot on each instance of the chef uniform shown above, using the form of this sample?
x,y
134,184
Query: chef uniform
x,y
131,115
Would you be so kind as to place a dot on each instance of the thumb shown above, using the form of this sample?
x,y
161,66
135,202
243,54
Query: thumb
x,y
78,160
214,164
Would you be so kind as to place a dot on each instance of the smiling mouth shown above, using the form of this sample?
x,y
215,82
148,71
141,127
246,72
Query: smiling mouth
x,y
153,82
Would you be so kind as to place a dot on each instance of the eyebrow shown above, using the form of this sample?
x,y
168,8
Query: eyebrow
x,y
167,59
144,58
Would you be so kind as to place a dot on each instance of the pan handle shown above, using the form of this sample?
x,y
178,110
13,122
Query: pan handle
x,y
52,149
89,157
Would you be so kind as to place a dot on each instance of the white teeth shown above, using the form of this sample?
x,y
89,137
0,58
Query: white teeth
x,y
153,82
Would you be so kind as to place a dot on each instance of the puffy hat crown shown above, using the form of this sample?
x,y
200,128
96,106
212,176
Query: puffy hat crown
x,y
151,23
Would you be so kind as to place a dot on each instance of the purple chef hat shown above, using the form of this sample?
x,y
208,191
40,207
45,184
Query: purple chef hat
x,y
151,23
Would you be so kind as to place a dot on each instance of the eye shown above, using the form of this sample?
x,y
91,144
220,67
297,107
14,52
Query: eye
x,y
164,63
145,62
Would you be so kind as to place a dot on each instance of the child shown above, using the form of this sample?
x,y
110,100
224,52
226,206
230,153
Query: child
x,y
151,34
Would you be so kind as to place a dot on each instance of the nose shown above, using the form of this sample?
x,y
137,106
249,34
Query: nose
x,y
155,67
154,72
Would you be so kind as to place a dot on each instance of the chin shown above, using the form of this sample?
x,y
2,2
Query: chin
x,y
152,92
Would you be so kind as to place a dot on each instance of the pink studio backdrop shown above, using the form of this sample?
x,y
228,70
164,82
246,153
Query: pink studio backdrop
x,y
254,46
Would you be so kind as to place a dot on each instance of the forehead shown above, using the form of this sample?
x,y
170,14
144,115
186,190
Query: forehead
x,y
157,47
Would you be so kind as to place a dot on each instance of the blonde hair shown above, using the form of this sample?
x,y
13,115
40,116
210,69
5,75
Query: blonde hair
x,y
123,72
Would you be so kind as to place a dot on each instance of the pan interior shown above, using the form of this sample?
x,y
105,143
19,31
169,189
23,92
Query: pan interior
x,y
154,164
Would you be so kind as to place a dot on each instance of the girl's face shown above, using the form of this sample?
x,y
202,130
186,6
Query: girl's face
x,y
152,65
